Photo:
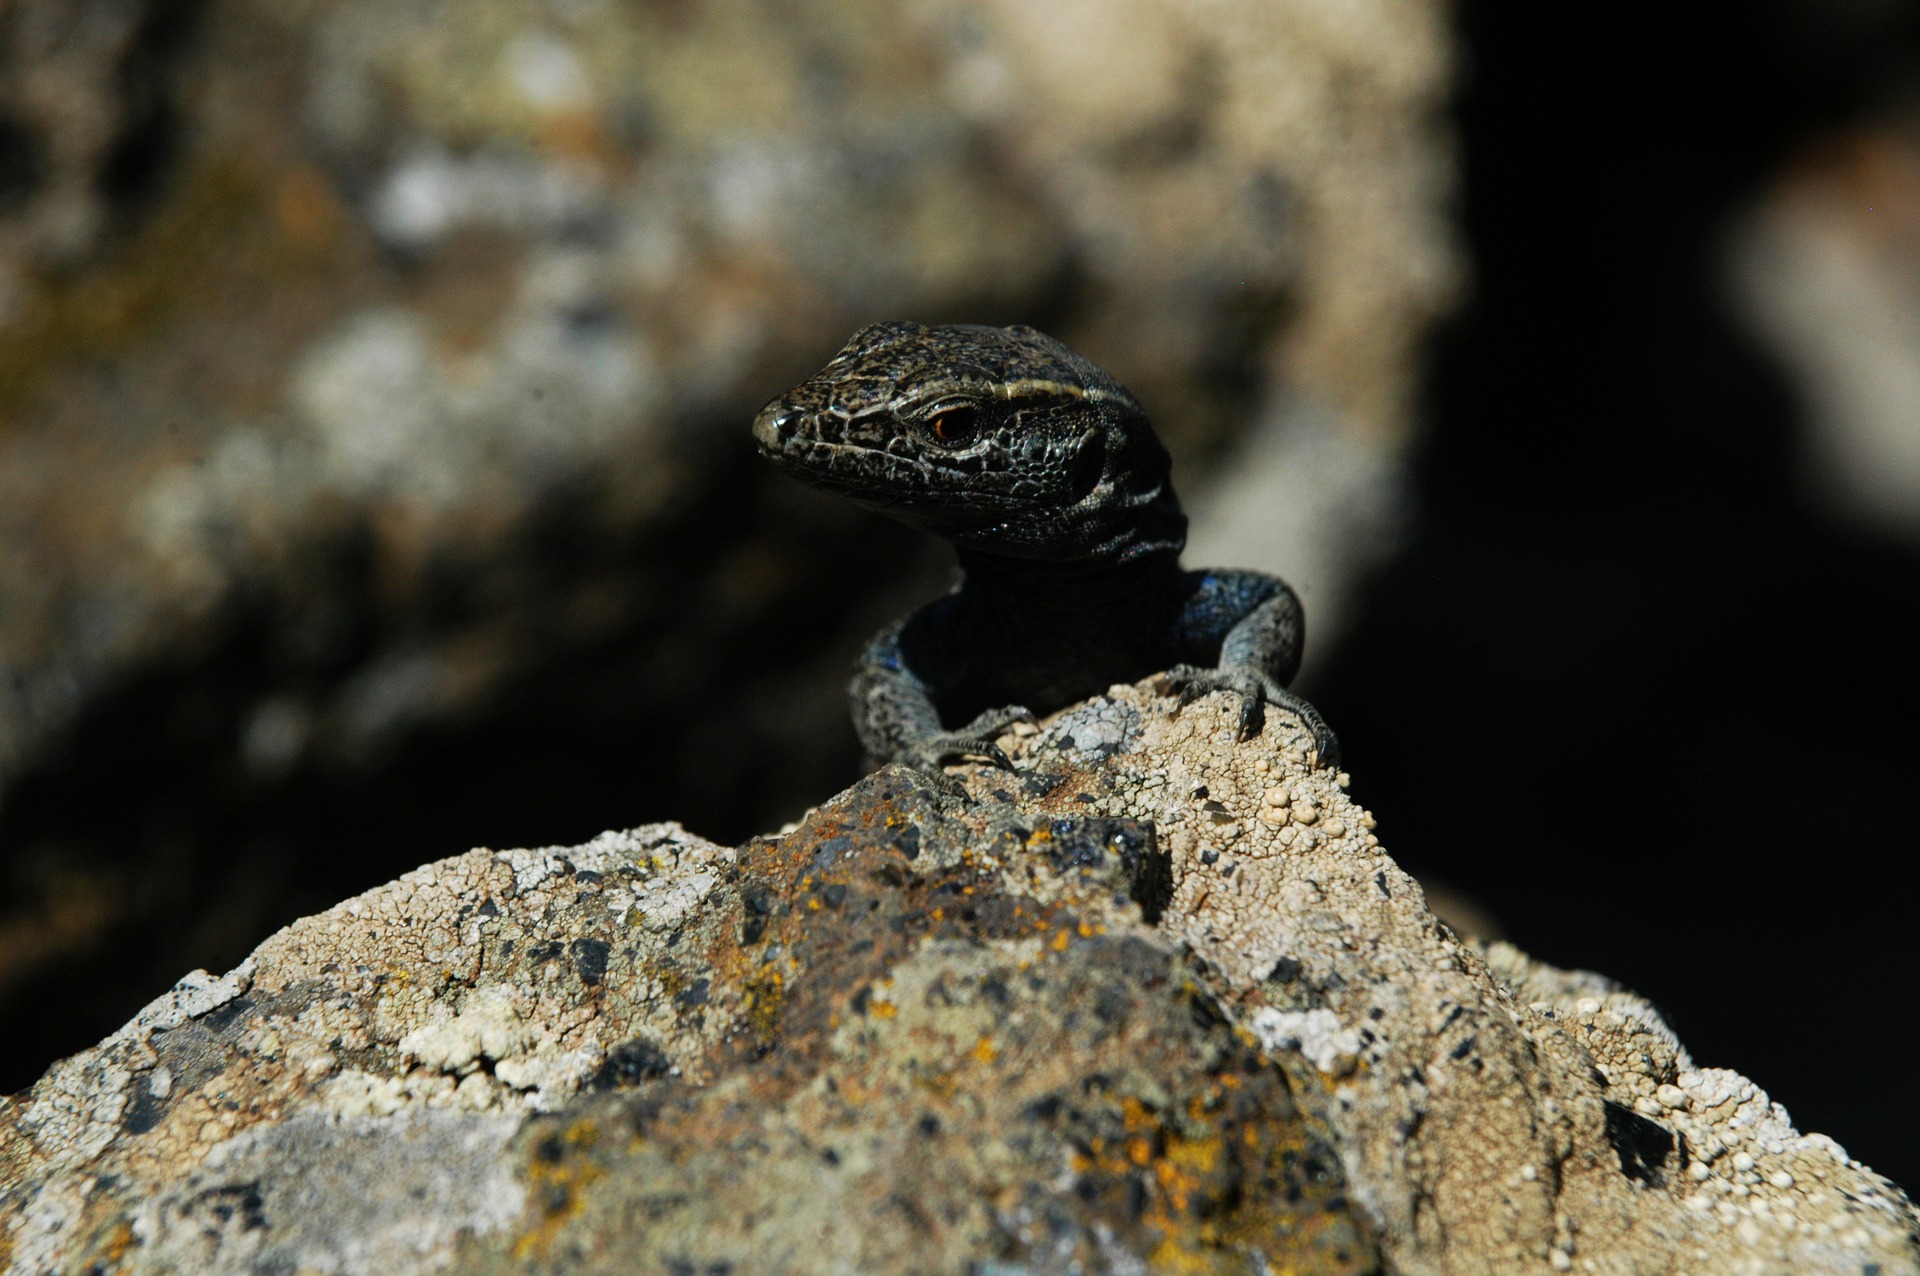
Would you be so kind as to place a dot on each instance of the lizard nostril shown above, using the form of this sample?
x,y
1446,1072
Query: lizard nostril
x,y
777,426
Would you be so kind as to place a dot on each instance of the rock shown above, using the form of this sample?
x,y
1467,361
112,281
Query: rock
x,y
1058,1019
418,363
1827,272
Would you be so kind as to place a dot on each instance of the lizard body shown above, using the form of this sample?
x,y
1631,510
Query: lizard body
x,y
1046,476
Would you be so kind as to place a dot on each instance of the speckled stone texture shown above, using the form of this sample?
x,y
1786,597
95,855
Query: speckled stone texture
x,y
1157,1000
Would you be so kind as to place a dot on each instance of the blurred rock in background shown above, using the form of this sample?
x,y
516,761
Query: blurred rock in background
x,y
374,383
1828,269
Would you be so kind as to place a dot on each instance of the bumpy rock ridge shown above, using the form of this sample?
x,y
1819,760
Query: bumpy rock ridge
x,y
1158,1000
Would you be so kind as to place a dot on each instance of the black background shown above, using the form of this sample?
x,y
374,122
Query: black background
x,y
1620,600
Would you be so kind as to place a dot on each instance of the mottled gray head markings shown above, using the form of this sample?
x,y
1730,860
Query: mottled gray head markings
x,y
1046,477
998,438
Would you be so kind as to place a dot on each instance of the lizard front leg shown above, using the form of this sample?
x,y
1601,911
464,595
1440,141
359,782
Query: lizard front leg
x,y
893,687
1251,626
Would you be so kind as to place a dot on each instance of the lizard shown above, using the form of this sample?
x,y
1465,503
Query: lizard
x,y
1045,475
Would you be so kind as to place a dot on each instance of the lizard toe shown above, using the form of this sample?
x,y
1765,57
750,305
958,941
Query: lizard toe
x,y
955,747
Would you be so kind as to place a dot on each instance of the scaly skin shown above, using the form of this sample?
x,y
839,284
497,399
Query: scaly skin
x,y
1046,476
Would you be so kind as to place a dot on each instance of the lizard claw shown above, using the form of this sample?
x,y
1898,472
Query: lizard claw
x,y
992,722
974,742
1256,690
953,746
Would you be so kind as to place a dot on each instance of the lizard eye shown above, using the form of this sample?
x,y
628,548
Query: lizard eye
x,y
955,426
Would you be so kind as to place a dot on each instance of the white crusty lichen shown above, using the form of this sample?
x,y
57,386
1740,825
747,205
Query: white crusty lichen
x,y
1489,1113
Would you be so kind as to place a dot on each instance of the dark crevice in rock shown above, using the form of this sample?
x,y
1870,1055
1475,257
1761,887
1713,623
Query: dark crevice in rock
x,y
1644,1146
147,81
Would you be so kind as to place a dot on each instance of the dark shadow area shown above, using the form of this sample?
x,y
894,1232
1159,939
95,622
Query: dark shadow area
x,y
1618,603
151,845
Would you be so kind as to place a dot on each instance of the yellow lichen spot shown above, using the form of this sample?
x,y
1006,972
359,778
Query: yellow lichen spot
x,y
1086,931
1172,1256
557,1187
940,1085
1139,1150
1199,1156
984,1051
882,1009
938,914
813,905
765,997
1061,941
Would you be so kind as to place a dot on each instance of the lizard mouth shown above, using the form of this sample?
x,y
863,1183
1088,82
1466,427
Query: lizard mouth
x,y
815,449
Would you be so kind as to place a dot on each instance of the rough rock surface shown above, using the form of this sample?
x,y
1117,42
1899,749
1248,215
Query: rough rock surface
x,y
1157,1000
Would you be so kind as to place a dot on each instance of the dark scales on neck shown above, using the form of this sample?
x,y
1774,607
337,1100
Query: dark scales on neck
x,y
1046,476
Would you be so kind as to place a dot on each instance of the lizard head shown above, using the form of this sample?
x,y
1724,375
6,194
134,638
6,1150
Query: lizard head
x,y
1002,440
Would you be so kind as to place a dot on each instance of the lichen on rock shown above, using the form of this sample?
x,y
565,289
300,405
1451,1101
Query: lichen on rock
x,y
1156,999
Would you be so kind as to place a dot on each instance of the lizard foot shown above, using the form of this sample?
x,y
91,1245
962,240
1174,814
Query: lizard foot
x,y
1256,690
971,743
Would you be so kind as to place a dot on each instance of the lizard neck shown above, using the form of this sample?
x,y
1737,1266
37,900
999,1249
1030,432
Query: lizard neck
x,y
1123,522
1087,582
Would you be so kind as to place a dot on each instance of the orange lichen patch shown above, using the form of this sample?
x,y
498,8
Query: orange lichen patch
x,y
118,1242
1061,940
556,1177
111,1238
984,1051
1233,1172
940,1085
